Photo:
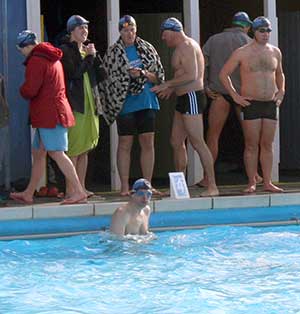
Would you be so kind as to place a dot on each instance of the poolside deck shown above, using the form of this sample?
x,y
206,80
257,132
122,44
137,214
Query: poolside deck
x,y
228,194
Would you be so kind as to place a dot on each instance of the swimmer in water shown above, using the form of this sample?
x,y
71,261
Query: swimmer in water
x,y
133,217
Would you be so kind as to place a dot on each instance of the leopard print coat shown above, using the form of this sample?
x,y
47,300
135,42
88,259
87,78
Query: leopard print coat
x,y
114,89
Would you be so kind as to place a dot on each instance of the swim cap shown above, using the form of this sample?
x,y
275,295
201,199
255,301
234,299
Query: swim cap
x,y
74,21
171,24
241,19
26,38
261,21
125,21
141,184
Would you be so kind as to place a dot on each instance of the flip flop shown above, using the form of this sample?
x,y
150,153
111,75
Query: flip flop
x,y
20,199
43,192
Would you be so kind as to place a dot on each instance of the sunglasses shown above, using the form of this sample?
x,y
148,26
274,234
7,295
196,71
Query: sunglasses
x,y
264,30
143,193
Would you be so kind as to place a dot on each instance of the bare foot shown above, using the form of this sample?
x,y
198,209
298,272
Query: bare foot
x,y
258,179
79,198
210,192
272,188
251,188
125,193
202,183
89,193
21,197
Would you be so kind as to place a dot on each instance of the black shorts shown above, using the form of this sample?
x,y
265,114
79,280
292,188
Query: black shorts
x,y
260,110
229,99
137,122
192,103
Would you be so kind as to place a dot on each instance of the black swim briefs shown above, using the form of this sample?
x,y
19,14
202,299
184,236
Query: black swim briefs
x,y
260,110
137,122
192,103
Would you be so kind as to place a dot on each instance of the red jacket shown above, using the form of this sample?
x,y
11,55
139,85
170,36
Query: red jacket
x,y
44,86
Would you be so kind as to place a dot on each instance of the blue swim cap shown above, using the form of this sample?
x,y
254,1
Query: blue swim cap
x,y
241,19
141,184
171,24
125,21
261,21
26,38
74,21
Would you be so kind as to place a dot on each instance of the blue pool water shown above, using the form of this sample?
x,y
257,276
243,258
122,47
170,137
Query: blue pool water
x,y
211,271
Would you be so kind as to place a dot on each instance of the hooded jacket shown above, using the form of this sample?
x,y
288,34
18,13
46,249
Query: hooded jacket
x,y
44,86
75,66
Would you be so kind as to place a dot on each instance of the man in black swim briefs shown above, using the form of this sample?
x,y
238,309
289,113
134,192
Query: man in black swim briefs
x,y
187,84
261,94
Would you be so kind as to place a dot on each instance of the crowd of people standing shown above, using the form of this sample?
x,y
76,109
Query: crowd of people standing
x,y
70,86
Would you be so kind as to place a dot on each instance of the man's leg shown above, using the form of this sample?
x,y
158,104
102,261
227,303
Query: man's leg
x,y
258,178
178,138
147,157
123,161
37,171
66,166
251,130
218,113
193,125
266,153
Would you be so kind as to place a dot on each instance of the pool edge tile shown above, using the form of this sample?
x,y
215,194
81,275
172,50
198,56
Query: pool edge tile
x,y
16,213
281,199
241,201
169,205
63,211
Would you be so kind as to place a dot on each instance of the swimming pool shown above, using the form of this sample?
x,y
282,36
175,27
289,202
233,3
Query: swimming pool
x,y
214,270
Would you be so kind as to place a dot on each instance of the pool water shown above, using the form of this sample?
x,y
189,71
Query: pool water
x,y
212,271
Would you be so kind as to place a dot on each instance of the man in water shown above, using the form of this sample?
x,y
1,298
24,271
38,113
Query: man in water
x,y
187,84
262,92
133,217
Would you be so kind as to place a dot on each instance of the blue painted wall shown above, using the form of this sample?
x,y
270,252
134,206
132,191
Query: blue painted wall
x,y
12,21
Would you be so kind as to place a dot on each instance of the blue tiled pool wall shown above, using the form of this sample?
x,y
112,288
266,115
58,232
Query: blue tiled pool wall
x,y
190,218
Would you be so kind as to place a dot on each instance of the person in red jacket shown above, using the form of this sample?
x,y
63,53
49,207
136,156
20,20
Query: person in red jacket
x,y
50,113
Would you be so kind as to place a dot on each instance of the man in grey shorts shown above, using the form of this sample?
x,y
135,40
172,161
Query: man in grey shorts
x,y
261,94
187,84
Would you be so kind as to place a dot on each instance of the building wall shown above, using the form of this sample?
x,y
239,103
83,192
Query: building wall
x,y
13,20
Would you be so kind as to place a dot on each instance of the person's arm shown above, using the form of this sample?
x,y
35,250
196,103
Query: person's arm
x,y
118,223
206,53
232,63
34,78
188,71
72,70
280,81
151,76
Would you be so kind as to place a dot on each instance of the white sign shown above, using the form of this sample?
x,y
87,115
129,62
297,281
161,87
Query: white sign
x,y
178,186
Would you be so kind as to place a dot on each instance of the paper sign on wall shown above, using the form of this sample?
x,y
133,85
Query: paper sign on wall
x,y
178,186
